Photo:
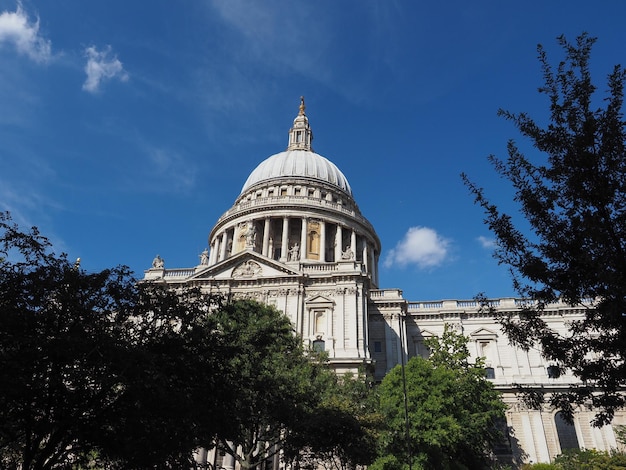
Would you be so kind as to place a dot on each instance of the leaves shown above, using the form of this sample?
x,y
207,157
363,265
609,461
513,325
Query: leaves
x,y
452,409
94,364
272,385
573,196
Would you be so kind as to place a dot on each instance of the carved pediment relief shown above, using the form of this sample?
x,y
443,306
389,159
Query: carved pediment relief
x,y
248,268
246,265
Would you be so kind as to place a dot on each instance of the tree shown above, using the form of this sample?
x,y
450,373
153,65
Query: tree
x,y
453,410
584,459
342,431
99,370
59,358
573,197
272,383
93,366
172,381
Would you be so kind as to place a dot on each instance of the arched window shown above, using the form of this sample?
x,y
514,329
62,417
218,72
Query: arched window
x,y
319,345
566,432
553,372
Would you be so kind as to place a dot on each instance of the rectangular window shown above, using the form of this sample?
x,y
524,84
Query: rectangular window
x,y
378,346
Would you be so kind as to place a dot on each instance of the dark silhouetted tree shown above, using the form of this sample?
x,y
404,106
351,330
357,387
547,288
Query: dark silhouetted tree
x,y
572,193
273,384
342,431
96,368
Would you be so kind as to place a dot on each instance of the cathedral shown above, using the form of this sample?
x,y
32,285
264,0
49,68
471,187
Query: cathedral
x,y
296,239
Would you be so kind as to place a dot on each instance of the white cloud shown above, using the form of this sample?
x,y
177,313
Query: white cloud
x,y
17,30
487,243
421,246
101,66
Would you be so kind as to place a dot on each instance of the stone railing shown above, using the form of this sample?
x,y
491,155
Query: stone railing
x,y
178,273
386,294
302,201
318,267
502,304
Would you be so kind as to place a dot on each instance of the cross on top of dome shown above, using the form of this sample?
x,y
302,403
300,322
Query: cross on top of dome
x,y
300,135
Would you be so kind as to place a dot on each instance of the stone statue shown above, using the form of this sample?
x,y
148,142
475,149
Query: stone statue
x,y
348,254
247,269
294,253
250,235
158,263
204,257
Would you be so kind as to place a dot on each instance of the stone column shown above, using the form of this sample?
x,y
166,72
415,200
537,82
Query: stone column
x,y
303,247
353,244
376,259
213,255
223,245
285,244
322,241
365,252
338,243
266,236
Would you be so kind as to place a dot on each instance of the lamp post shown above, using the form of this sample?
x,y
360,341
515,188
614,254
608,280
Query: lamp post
x,y
406,404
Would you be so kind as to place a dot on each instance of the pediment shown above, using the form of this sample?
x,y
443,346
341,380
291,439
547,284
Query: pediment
x,y
483,333
246,265
427,334
318,300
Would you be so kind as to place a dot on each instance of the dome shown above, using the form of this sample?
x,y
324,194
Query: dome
x,y
298,164
299,160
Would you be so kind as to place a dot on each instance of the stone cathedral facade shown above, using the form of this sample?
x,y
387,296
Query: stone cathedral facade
x,y
296,239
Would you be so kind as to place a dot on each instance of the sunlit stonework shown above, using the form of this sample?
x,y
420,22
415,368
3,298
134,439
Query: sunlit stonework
x,y
296,239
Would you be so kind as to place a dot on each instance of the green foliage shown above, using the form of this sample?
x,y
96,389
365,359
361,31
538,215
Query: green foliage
x,y
539,466
450,350
272,384
452,409
99,371
92,364
172,380
389,462
590,459
342,430
573,197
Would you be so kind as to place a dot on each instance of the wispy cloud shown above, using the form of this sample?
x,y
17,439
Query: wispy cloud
x,y
421,246
172,170
263,27
487,243
101,66
16,29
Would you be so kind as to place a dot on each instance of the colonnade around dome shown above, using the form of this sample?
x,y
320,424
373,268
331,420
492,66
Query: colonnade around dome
x,y
290,239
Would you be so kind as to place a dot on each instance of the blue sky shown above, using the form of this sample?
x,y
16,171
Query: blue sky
x,y
128,128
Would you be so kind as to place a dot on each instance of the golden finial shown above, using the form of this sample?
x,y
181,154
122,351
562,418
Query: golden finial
x,y
302,107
